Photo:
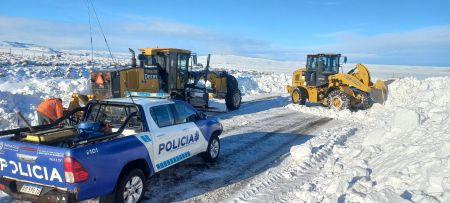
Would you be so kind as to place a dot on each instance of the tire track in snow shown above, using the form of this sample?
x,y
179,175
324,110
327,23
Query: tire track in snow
x,y
261,120
291,128
234,182
257,192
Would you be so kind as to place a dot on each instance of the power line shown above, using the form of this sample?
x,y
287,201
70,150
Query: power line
x,y
90,33
101,30
107,45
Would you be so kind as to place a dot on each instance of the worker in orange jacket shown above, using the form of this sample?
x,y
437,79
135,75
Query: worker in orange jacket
x,y
49,110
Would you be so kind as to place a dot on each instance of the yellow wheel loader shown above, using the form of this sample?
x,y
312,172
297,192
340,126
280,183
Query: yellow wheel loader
x,y
169,71
321,82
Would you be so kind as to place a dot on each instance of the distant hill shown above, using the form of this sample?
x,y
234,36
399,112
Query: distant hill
x,y
28,46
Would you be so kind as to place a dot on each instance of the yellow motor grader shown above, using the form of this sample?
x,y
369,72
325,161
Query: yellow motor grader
x,y
167,71
321,82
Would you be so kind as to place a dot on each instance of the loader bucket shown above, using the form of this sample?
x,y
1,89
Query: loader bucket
x,y
379,92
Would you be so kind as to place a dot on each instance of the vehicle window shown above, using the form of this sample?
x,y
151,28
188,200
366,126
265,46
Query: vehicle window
x,y
183,61
162,115
331,64
311,63
158,60
184,113
114,115
94,112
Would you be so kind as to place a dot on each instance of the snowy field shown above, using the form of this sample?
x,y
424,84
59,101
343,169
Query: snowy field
x,y
274,151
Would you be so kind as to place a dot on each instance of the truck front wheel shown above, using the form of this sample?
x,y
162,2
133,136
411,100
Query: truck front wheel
x,y
131,187
213,150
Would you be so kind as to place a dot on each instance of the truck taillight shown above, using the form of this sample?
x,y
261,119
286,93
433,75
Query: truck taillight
x,y
74,171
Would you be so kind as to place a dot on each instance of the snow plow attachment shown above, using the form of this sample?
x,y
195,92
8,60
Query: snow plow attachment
x,y
379,92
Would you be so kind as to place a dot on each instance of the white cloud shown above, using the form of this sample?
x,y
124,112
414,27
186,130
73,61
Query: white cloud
x,y
133,32
421,46
426,46
53,34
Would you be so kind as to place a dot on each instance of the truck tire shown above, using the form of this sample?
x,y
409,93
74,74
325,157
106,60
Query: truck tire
x,y
131,185
213,150
233,96
338,100
299,96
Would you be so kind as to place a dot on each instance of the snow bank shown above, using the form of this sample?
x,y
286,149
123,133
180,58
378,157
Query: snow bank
x,y
400,151
25,96
252,82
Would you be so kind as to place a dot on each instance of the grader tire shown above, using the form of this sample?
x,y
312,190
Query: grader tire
x,y
233,96
299,97
338,100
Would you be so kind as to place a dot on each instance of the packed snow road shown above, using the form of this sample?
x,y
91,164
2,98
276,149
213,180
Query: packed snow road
x,y
257,137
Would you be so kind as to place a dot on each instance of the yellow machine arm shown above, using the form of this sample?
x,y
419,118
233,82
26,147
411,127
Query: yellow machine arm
x,y
378,91
77,99
362,74
359,77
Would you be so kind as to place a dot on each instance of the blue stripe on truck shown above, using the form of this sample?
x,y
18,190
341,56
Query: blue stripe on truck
x,y
173,160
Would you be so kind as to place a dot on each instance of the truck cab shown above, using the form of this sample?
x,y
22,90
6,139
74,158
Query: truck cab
x,y
118,145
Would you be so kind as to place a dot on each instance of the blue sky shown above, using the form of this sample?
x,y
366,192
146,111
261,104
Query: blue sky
x,y
385,32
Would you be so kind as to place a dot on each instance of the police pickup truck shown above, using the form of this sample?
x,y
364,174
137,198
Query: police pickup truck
x,y
116,146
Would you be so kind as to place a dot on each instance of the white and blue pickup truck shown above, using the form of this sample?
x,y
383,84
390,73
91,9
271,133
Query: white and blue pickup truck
x,y
110,152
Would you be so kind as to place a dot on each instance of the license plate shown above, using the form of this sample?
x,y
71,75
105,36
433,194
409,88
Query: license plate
x,y
31,189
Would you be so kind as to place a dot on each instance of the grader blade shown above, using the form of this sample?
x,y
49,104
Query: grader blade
x,y
379,92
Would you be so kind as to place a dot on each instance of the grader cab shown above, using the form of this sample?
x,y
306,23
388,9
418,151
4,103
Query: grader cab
x,y
171,72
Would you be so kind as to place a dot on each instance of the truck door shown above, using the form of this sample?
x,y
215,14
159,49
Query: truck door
x,y
172,142
185,117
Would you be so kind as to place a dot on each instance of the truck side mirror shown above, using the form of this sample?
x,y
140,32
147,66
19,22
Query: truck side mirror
x,y
345,59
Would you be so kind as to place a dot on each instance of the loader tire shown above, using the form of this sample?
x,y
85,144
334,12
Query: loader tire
x,y
338,100
233,96
299,96
366,101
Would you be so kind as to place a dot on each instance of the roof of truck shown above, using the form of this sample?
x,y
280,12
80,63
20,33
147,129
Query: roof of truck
x,y
143,101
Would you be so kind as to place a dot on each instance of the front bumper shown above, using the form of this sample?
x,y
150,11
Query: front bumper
x,y
48,194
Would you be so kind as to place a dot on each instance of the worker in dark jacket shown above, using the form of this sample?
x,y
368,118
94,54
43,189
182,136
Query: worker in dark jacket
x,y
49,111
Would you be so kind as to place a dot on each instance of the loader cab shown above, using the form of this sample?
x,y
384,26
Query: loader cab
x,y
319,67
172,65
